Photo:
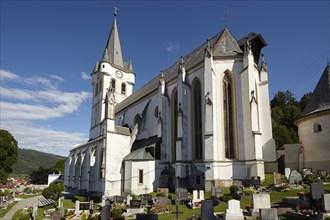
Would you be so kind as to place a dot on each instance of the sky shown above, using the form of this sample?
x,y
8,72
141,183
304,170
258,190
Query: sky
x,y
49,48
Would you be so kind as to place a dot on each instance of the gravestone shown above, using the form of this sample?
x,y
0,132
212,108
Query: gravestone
x,y
295,177
146,217
256,183
56,215
163,190
307,171
317,190
135,203
118,199
268,214
128,199
277,178
261,201
326,202
105,212
234,212
195,195
146,198
287,172
201,194
161,204
207,211
182,194
217,192
84,206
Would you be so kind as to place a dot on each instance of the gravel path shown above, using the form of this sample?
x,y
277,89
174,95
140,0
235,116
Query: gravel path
x,y
20,205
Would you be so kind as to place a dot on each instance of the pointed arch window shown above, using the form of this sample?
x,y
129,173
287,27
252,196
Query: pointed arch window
x,y
174,122
101,165
123,88
196,115
228,116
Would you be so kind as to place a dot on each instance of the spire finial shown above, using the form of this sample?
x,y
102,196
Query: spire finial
x,y
225,18
115,12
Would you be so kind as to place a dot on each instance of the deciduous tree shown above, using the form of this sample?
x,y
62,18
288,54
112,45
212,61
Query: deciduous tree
x,y
8,154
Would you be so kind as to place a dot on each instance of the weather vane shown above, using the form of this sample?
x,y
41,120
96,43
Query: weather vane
x,y
115,13
225,19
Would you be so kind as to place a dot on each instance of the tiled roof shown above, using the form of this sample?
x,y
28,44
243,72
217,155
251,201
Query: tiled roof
x,y
231,47
320,99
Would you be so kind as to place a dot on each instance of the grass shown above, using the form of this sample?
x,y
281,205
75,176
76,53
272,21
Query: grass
x,y
27,196
3,212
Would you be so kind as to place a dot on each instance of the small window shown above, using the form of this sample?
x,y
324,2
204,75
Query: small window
x,y
317,127
140,176
156,112
123,88
113,84
103,66
158,151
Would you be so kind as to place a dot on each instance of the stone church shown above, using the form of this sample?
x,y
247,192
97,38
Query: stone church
x,y
204,121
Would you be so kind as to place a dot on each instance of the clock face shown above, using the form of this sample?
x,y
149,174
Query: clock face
x,y
119,74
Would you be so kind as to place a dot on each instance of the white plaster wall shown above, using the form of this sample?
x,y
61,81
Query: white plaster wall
x,y
316,144
118,146
148,168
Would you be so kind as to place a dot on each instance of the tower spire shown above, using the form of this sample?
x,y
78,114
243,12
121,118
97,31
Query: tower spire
x,y
114,46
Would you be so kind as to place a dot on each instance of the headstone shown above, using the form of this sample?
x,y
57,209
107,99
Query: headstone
x,y
182,194
207,211
128,199
77,205
256,182
277,178
317,190
146,198
195,195
307,171
287,172
322,173
234,211
118,199
163,190
268,214
217,192
326,202
261,201
135,203
84,206
146,217
295,177
201,194
56,215
105,212
161,204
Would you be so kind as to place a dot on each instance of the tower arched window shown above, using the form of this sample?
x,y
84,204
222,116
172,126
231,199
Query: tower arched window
x,y
113,84
196,115
123,88
228,116
174,122
101,165
317,127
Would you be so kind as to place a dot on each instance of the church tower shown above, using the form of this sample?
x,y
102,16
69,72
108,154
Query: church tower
x,y
110,70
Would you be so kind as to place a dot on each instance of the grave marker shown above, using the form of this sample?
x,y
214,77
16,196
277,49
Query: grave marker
x,y
163,190
234,212
268,214
317,190
277,178
287,172
295,177
182,194
261,201
217,192
135,203
207,211
326,202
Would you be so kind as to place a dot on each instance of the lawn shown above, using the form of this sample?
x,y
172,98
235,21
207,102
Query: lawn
x,y
3,212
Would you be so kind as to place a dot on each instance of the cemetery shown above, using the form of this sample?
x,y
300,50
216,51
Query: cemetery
x,y
295,195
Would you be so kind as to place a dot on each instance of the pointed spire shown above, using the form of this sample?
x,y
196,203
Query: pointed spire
x,y
130,65
114,46
106,56
263,63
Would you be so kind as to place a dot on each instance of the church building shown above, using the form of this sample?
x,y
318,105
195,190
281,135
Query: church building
x,y
204,121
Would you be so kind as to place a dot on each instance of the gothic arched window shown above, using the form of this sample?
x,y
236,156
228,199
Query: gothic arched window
x,y
228,116
174,122
101,165
317,127
196,115
123,88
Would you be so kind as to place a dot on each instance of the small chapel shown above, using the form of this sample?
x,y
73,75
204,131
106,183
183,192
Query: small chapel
x,y
204,121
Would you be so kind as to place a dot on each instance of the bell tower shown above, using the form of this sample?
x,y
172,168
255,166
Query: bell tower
x,y
111,71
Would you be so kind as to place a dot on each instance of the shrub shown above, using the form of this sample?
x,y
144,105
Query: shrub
x,y
233,189
116,213
225,198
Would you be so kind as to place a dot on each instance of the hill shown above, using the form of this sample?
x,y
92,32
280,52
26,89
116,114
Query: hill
x,y
29,160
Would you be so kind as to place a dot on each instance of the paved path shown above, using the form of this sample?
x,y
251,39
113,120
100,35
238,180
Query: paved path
x,y
20,205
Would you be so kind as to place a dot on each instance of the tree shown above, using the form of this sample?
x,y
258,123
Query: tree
x,y
59,166
8,154
304,100
40,176
54,191
282,99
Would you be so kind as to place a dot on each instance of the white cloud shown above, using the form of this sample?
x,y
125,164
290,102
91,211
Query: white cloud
x,y
85,76
172,46
6,75
21,109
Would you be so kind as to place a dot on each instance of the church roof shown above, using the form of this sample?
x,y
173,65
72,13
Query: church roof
x,y
320,99
143,149
221,44
257,43
113,52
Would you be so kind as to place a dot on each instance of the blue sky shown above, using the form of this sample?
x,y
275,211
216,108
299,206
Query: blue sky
x,y
49,48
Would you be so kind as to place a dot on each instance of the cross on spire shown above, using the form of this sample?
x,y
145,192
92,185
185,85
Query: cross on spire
x,y
115,12
225,19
